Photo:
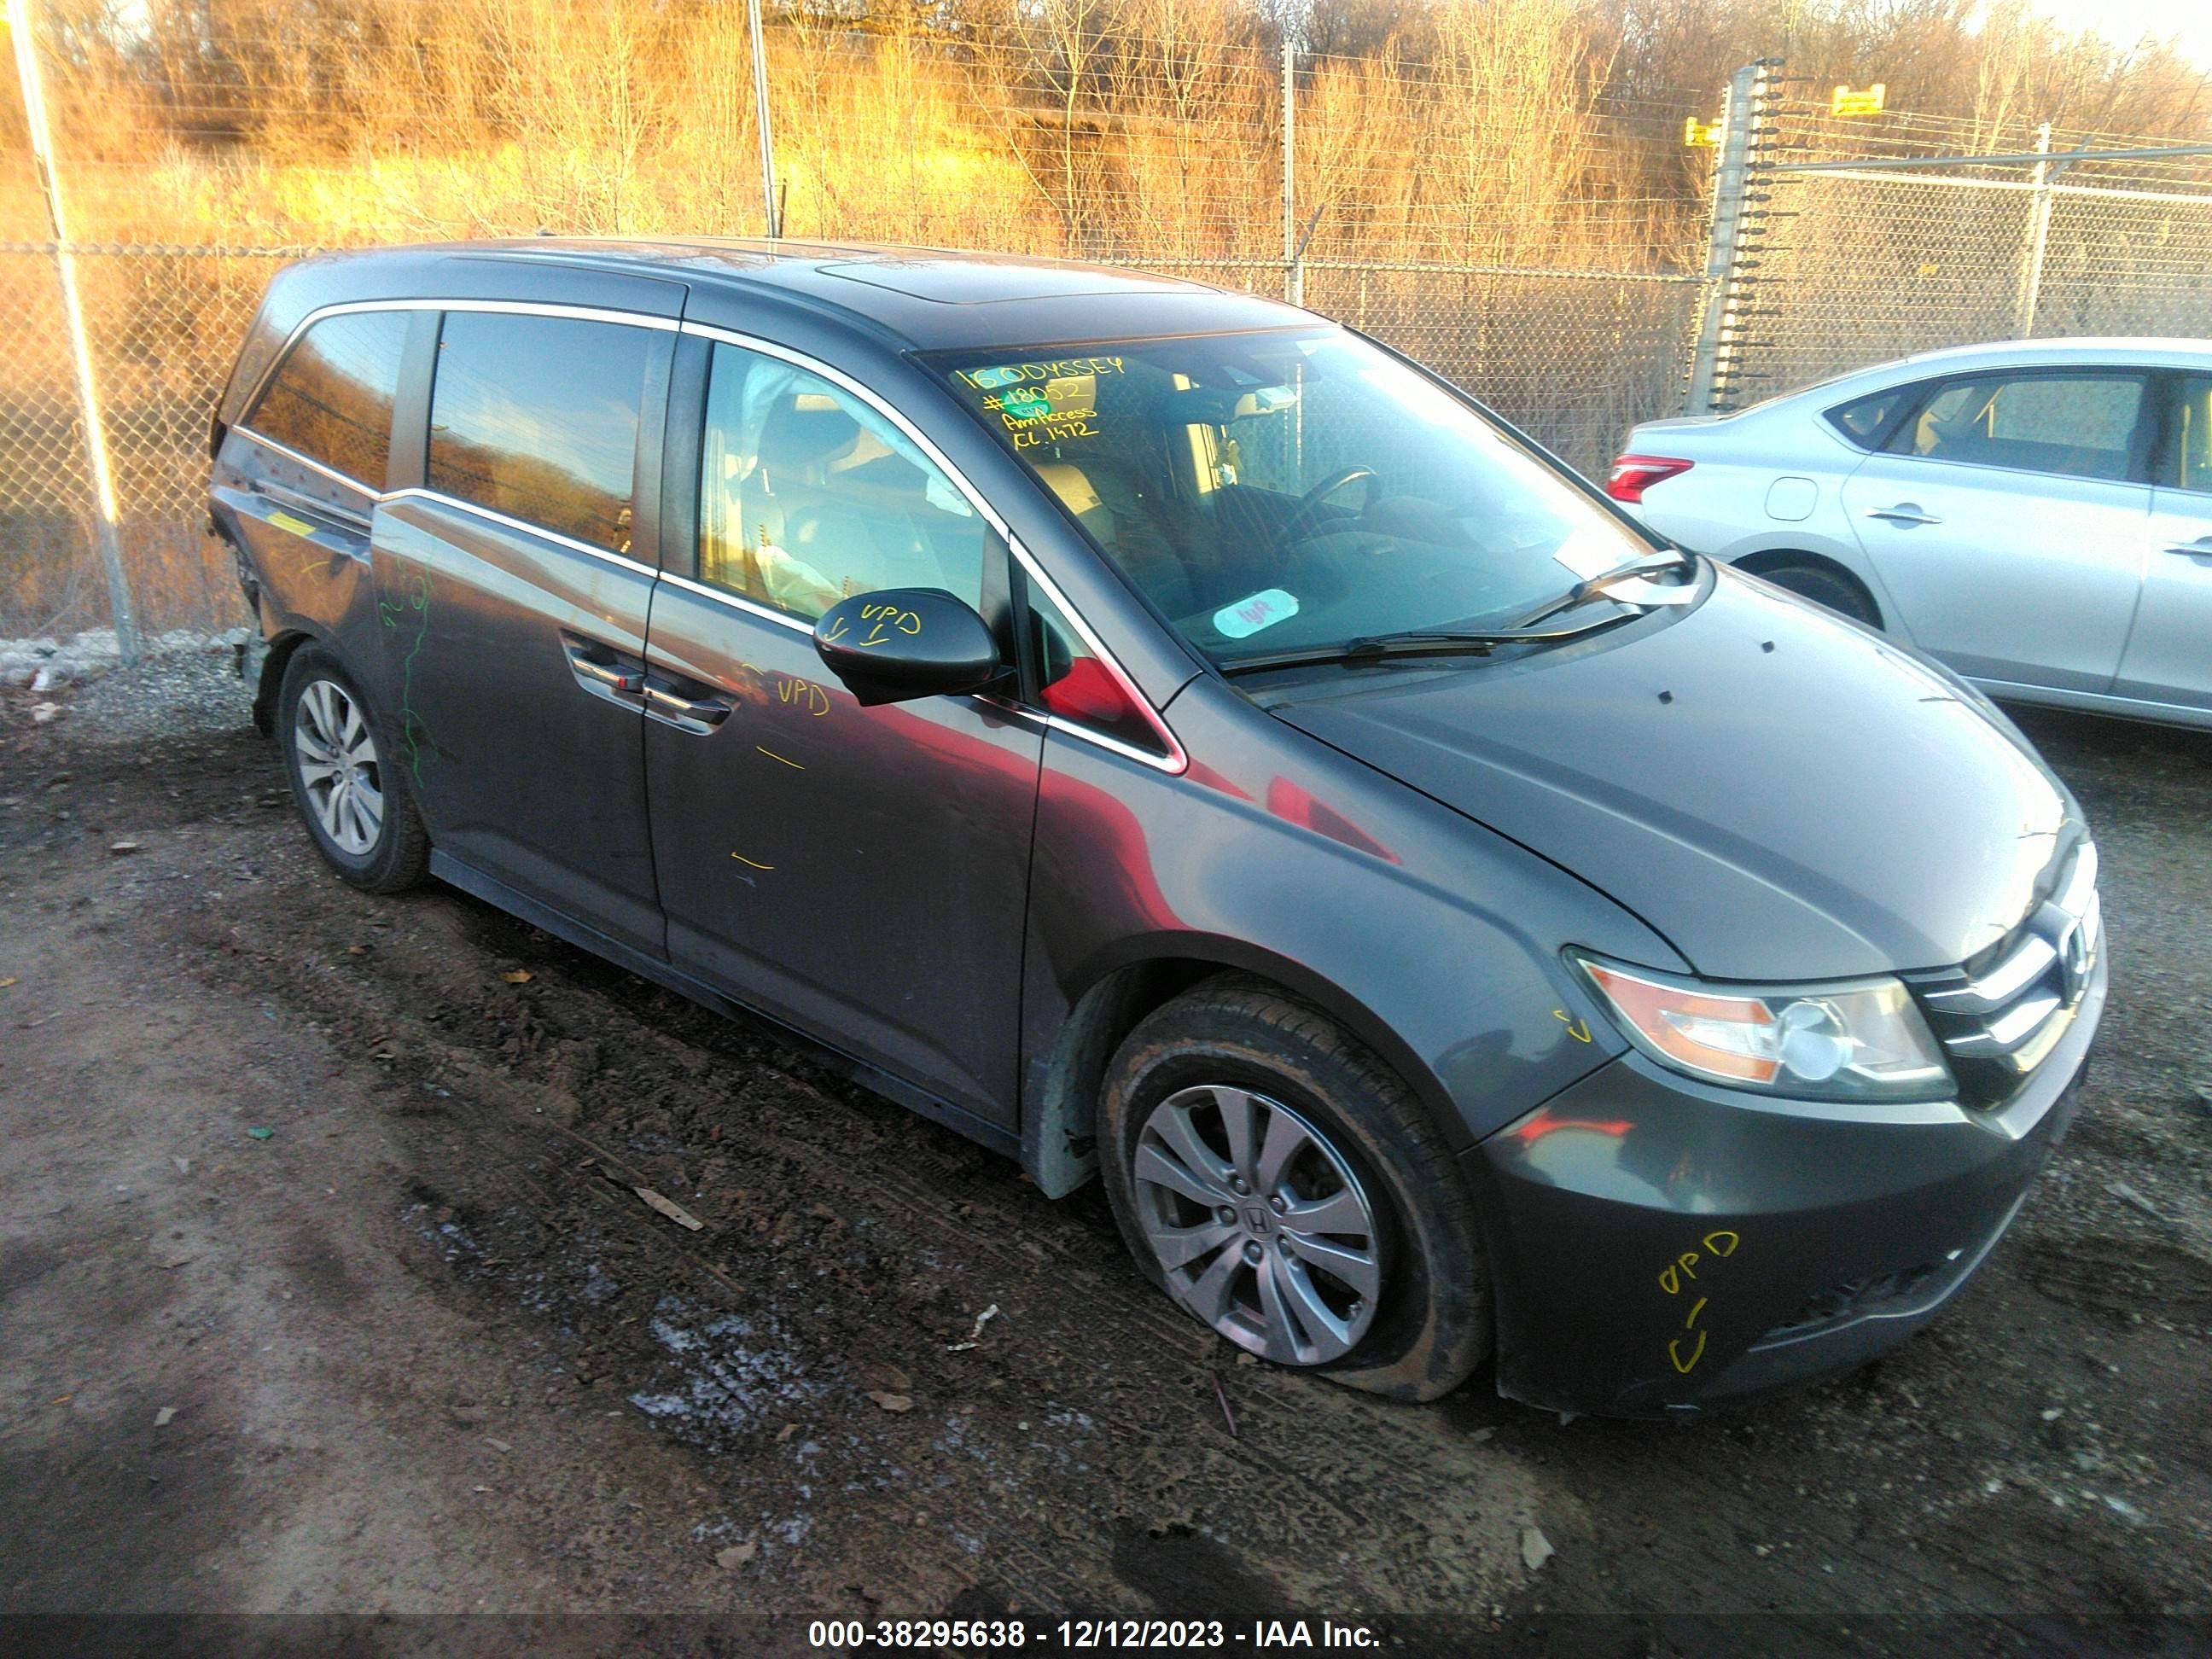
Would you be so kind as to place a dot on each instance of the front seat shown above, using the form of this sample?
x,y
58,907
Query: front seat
x,y
846,514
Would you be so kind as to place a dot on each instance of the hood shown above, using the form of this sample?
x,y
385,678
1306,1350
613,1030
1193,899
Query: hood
x,y
1782,794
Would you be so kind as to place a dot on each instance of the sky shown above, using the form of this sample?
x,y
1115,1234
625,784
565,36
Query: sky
x,y
2125,21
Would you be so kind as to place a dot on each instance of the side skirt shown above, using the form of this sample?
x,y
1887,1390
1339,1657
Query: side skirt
x,y
492,891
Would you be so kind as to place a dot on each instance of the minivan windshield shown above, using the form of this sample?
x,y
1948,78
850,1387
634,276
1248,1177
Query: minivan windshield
x,y
1292,491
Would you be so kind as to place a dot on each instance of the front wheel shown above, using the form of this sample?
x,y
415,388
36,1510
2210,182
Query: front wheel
x,y
357,806
1283,1185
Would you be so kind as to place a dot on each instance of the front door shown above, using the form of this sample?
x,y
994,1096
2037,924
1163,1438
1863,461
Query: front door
x,y
513,592
859,873
2007,521
2169,655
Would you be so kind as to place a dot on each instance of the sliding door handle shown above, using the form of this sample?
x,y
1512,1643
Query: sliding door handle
x,y
601,669
614,677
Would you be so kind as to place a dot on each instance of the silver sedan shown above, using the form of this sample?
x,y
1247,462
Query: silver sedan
x,y
2037,514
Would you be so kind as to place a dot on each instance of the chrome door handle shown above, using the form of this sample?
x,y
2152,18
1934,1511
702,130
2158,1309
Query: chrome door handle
x,y
2199,549
1904,513
601,669
694,714
612,676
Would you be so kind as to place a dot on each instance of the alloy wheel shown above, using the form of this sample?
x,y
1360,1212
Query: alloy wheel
x,y
336,754
1260,1224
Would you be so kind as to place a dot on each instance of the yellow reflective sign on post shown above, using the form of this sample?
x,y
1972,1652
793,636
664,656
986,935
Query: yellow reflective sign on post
x,y
1845,101
1701,135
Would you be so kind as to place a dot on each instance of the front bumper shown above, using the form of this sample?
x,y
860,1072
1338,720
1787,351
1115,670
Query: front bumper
x,y
1658,1246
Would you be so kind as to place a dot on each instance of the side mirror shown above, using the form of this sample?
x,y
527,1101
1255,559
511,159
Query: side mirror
x,y
906,642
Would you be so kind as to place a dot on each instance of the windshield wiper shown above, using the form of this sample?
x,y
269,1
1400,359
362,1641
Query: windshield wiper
x,y
1411,642
1591,587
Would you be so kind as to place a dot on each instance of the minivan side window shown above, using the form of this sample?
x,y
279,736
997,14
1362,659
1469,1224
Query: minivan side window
x,y
330,399
808,494
2079,425
537,417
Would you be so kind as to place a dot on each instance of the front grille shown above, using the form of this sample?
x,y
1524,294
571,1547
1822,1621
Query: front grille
x,y
1998,1015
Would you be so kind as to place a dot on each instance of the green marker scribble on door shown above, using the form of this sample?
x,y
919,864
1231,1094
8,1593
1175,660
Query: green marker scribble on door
x,y
412,728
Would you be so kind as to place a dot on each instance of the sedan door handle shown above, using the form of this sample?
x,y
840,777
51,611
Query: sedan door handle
x,y
1904,513
2199,549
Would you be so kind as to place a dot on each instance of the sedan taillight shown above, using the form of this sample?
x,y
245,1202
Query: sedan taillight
x,y
1632,474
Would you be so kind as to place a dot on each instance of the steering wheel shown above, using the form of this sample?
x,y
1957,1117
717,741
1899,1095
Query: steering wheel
x,y
1307,512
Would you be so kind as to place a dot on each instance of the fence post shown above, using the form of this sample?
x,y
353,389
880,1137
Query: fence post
x,y
773,218
2038,238
1293,277
106,532
1712,359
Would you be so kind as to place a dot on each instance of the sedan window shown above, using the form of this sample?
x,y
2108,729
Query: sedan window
x,y
2192,466
1864,420
2079,425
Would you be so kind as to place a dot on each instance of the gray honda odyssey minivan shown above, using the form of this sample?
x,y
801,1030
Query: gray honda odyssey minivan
x,y
1165,735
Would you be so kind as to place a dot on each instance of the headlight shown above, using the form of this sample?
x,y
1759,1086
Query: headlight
x,y
1862,1039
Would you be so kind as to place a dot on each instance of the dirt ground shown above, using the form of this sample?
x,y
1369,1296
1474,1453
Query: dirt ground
x,y
324,1289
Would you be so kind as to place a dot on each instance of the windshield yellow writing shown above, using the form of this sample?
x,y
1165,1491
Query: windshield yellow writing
x,y
988,380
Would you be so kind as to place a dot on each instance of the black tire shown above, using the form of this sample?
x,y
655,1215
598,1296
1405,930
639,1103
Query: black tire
x,y
396,856
1823,584
1430,1323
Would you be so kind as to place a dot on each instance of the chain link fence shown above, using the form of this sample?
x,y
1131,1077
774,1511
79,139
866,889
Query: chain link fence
x,y
1505,224
165,323
1492,218
1896,235
1573,357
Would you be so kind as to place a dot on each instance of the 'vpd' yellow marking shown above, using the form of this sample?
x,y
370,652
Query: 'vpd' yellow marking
x,y
1578,1029
1675,1353
742,859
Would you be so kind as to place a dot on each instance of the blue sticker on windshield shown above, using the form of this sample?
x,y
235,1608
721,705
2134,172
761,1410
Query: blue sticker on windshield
x,y
1262,610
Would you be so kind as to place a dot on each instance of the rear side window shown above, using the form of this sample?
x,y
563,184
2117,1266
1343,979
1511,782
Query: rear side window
x,y
2078,425
1864,420
537,417
331,398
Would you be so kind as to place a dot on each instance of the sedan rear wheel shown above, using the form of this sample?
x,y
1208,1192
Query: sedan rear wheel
x,y
1823,584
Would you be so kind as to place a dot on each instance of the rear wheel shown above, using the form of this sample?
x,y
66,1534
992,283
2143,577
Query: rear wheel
x,y
1823,584
357,808
1282,1184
